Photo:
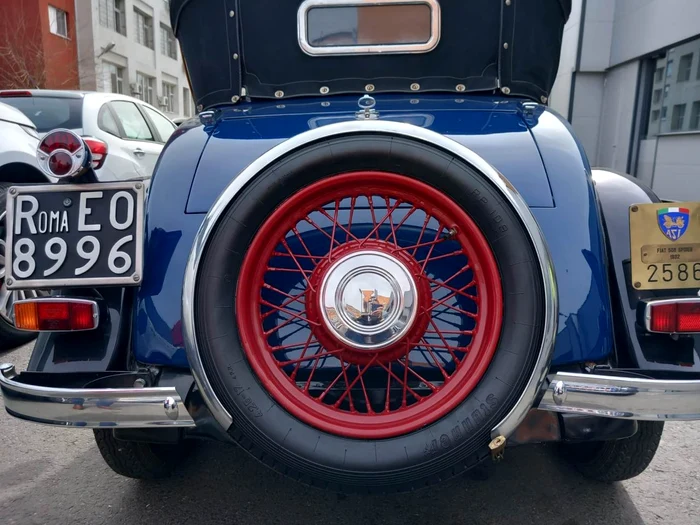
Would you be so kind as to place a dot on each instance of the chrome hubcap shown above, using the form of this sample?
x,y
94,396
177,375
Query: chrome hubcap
x,y
368,299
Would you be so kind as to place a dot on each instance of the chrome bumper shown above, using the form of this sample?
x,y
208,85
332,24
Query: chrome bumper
x,y
93,408
622,397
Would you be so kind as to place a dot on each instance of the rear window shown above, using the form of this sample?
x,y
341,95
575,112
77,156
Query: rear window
x,y
49,113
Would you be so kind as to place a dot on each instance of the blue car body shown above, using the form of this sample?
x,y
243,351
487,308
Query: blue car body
x,y
529,144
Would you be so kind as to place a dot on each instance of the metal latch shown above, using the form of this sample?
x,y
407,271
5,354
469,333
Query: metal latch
x,y
497,448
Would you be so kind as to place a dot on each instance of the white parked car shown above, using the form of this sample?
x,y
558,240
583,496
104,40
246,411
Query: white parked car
x,y
125,134
18,143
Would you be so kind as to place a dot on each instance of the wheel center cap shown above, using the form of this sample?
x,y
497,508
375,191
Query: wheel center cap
x,y
368,299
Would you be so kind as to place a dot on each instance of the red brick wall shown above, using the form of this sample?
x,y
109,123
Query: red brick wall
x,y
30,55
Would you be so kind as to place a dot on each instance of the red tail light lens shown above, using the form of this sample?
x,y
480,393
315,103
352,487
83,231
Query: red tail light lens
x,y
9,94
668,316
61,153
98,148
56,315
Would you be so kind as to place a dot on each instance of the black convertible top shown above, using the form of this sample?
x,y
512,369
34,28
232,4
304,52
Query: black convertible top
x,y
235,48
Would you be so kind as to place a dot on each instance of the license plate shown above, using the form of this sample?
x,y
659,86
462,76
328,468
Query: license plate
x,y
665,245
74,235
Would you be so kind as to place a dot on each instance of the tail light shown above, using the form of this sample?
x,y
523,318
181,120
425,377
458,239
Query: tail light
x,y
56,314
61,153
673,316
15,93
98,148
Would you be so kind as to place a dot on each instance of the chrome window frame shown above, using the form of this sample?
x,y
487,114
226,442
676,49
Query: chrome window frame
x,y
386,49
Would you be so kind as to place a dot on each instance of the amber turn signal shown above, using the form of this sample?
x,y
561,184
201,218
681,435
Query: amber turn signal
x,y
56,314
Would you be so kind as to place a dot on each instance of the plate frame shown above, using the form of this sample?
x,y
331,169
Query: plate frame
x,y
132,279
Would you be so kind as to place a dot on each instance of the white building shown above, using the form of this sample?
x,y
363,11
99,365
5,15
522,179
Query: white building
x,y
127,46
629,83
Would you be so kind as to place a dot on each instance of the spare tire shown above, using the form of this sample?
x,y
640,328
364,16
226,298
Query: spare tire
x,y
368,308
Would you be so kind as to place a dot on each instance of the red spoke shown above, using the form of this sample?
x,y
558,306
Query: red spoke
x,y
415,247
451,332
358,378
448,297
317,355
293,270
324,232
430,252
352,210
303,353
277,308
348,387
315,260
420,237
348,234
392,374
296,261
420,378
335,223
468,314
305,319
404,402
437,361
292,299
441,284
337,378
444,256
289,346
364,391
374,220
387,401
410,212
437,331
376,228
391,217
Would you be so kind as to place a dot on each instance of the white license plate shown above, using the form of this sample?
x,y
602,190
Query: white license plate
x,y
62,235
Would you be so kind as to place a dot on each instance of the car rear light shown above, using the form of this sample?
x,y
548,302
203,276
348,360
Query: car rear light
x,y
98,148
15,94
54,314
61,153
673,316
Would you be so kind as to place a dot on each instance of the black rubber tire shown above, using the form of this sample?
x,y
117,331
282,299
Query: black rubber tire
x,y
617,460
441,450
140,460
10,337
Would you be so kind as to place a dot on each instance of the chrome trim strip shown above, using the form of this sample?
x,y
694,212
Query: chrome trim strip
x,y
622,397
130,280
93,407
657,302
400,129
95,311
386,49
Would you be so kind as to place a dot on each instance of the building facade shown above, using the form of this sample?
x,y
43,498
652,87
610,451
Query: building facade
x,y
128,47
629,83
38,44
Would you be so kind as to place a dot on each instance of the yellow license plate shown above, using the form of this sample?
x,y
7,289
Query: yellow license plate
x,y
665,245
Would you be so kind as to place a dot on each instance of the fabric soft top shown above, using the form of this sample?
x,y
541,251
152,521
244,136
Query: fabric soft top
x,y
235,48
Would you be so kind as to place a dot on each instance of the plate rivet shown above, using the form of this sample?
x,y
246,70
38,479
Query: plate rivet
x,y
505,45
235,56
634,208
461,87
637,284
235,98
67,202
170,408
324,90
415,87
136,277
231,14
369,87
10,280
138,185
13,191
279,94
505,90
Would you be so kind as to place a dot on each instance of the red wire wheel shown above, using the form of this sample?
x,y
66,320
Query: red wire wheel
x,y
354,235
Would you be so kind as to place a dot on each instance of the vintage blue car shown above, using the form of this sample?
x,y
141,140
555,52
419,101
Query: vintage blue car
x,y
373,260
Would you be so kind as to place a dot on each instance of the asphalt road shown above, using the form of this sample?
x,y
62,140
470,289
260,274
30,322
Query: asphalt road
x,y
56,476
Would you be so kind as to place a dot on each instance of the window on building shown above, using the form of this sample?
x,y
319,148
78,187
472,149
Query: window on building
x,y
187,102
669,69
659,75
163,125
113,15
169,103
657,96
132,121
145,87
144,28
664,111
655,115
677,117
684,65
695,116
113,77
58,21
168,44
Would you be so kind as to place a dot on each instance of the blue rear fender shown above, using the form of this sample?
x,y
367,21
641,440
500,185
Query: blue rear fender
x,y
530,145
